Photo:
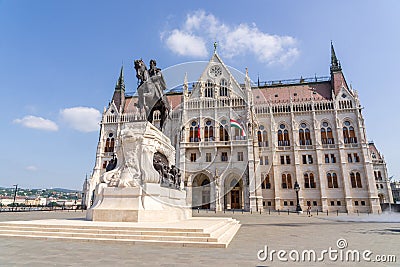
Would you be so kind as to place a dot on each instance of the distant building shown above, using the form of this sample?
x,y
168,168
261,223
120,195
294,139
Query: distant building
x,y
243,146
396,191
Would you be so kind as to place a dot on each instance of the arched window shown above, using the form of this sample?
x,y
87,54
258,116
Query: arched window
x,y
286,140
349,135
280,138
110,143
107,145
286,181
358,180
304,135
335,180
324,139
266,184
326,134
208,131
262,137
332,180
223,133
283,136
355,179
194,132
331,140
309,181
302,139
329,178
308,137
209,90
223,88
306,181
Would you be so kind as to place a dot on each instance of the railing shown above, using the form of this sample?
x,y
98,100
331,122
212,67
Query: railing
x,y
214,143
293,81
267,108
126,117
206,103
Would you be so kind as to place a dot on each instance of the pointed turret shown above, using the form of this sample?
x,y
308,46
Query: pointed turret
x,y
335,63
119,92
337,78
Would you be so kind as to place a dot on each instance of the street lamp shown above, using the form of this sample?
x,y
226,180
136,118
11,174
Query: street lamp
x,y
15,194
297,189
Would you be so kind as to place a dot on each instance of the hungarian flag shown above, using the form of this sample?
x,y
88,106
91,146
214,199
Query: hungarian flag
x,y
237,125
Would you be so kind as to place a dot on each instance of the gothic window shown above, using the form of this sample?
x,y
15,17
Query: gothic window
x,y
283,136
192,157
286,181
358,180
332,180
266,184
240,156
224,156
223,88
208,131
355,179
194,132
280,138
110,143
262,137
286,140
223,133
349,135
209,90
304,135
326,134
302,139
309,181
335,180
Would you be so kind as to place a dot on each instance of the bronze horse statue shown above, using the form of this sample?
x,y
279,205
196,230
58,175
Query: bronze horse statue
x,y
150,91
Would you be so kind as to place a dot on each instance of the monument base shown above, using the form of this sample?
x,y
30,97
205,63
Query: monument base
x,y
149,203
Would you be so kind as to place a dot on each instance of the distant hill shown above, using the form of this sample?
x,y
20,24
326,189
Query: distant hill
x,y
64,190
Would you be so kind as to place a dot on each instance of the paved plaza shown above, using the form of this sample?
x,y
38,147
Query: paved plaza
x,y
379,234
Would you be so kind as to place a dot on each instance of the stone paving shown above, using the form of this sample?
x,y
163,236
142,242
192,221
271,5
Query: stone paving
x,y
278,232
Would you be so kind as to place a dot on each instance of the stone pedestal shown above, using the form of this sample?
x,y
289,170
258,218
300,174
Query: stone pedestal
x,y
150,203
132,192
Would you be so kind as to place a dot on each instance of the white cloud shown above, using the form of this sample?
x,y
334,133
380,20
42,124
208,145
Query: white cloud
x,y
201,28
83,119
37,123
31,168
183,44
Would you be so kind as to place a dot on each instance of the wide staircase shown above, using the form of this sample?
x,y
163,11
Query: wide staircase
x,y
194,232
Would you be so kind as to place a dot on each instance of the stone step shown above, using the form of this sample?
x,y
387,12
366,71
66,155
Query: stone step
x,y
127,241
101,227
110,236
199,232
103,231
222,229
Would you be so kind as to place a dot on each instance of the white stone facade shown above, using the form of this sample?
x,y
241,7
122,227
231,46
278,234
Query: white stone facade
x,y
309,131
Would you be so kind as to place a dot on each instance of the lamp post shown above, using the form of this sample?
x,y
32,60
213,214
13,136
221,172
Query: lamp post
x,y
15,194
297,189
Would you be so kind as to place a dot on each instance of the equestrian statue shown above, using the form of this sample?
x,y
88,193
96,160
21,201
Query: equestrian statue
x,y
151,91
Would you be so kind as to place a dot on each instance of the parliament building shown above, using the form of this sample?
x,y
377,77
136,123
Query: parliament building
x,y
241,145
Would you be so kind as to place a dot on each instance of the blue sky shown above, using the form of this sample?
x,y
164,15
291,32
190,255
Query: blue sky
x,y
59,61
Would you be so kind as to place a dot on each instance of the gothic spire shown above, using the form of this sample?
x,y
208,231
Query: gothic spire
x,y
335,63
119,92
120,83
